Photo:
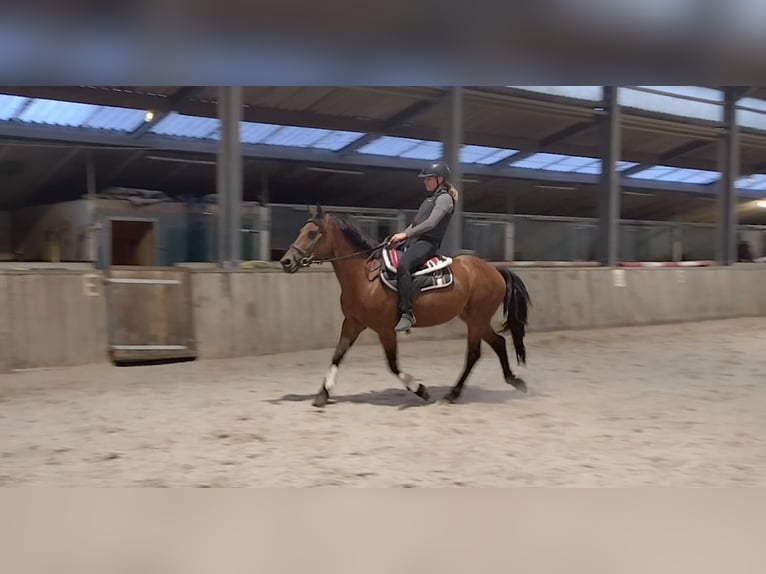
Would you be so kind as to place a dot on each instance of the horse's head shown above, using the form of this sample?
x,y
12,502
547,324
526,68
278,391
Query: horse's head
x,y
312,243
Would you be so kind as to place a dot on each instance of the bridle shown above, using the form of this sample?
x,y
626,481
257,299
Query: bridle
x,y
307,255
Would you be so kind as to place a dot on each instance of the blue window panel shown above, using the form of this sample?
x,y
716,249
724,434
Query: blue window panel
x,y
424,150
698,176
570,163
666,173
484,155
10,105
389,146
175,124
255,133
337,140
295,136
118,119
56,113
475,153
691,91
593,169
755,182
590,93
538,160
671,103
653,172
752,118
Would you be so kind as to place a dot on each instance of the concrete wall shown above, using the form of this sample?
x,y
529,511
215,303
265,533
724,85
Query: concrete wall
x,y
243,313
65,223
59,317
51,318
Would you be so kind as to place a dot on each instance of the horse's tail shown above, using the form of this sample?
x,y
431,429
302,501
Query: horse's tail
x,y
515,310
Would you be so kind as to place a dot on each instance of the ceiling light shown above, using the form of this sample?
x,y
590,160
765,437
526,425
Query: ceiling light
x,y
149,116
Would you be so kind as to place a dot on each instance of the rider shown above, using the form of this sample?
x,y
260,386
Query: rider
x,y
424,236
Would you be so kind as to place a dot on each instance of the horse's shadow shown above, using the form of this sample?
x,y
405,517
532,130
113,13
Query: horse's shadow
x,y
403,399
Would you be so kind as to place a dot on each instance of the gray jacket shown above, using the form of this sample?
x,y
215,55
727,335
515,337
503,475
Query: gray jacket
x,y
432,218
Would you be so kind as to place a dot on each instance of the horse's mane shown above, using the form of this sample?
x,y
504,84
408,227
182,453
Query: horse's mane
x,y
351,232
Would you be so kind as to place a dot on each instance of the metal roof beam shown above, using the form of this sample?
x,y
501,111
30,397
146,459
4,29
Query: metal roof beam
x,y
547,142
403,116
740,92
166,143
670,155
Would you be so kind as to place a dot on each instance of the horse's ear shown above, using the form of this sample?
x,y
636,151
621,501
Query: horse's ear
x,y
311,211
320,211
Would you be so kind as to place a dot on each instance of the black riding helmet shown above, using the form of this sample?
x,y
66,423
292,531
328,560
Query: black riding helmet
x,y
436,169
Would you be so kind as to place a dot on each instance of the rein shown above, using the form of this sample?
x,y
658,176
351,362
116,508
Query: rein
x,y
307,255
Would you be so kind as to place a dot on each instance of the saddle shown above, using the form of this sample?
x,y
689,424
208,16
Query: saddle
x,y
435,273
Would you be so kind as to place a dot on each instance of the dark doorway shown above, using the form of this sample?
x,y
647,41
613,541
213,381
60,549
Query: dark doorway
x,y
133,243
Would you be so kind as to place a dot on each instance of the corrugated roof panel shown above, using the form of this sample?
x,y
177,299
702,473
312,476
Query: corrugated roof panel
x,y
538,160
590,93
424,150
295,136
570,163
255,133
10,105
675,174
653,172
484,155
175,124
591,169
56,113
752,118
337,140
755,182
118,119
673,104
388,145
594,168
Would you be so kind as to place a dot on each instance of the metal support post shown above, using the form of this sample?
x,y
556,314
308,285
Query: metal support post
x,y
728,162
452,138
609,193
229,177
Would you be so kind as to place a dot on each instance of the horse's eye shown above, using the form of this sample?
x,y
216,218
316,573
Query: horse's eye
x,y
312,234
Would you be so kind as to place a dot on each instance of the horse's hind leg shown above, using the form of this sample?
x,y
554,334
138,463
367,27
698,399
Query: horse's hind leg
x,y
497,342
473,352
388,340
349,333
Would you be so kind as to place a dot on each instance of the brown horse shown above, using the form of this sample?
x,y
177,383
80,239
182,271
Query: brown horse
x,y
465,286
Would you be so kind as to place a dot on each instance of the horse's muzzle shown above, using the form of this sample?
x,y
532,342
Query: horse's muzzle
x,y
289,265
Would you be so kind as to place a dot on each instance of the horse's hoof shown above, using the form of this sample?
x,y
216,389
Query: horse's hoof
x,y
450,398
422,392
518,383
321,399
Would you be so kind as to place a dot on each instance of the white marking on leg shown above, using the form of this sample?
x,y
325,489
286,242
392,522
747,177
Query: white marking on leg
x,y
409,382
329,380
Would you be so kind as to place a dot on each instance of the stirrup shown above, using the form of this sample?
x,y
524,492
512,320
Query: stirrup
x,y
406,322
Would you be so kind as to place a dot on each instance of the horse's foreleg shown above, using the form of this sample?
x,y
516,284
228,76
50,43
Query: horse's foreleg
x,y
472,355
349,333
388,340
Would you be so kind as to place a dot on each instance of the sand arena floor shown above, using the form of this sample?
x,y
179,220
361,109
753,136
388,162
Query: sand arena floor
x,y
679,405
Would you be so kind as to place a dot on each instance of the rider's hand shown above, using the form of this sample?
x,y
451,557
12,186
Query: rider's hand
x,y
397,238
